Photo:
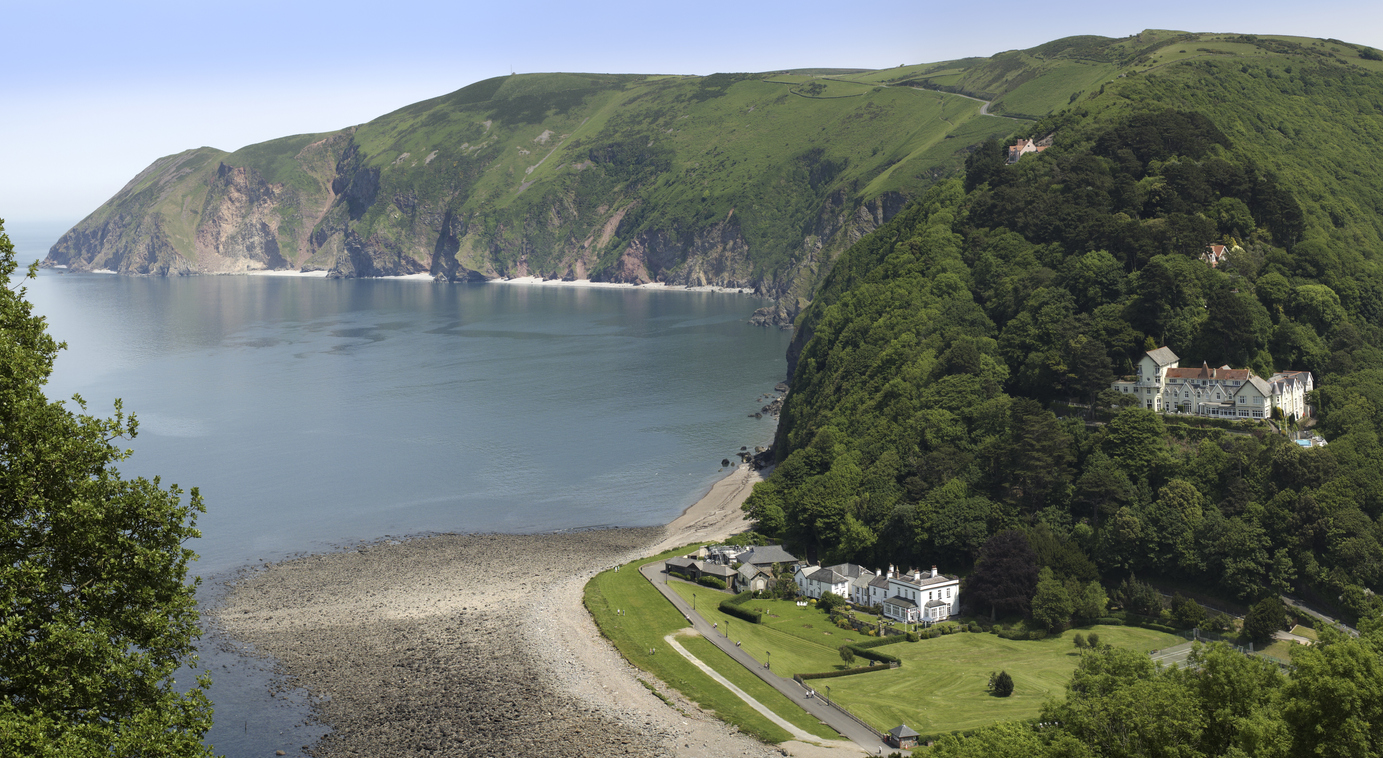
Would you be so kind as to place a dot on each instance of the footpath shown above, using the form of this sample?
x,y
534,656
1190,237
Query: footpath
x,y
852,730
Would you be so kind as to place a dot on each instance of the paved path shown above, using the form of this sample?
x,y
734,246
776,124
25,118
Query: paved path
x,y
815,706
1297,604
768,713
1174,655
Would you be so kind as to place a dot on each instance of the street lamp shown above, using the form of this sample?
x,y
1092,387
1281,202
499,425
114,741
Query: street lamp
x,y
769,664
693,601
828,694
727,629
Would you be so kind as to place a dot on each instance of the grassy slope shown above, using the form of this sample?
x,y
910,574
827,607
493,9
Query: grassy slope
x,y
648,619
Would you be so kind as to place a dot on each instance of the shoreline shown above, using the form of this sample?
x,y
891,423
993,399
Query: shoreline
x,y
436,643
531,281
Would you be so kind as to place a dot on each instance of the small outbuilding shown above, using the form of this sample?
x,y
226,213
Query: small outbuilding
x,y
902,737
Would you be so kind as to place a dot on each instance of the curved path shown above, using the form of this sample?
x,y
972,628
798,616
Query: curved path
x,y
846,726
768,713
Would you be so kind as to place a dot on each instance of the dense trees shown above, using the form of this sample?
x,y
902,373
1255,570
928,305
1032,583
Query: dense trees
x,y
925,416
96,613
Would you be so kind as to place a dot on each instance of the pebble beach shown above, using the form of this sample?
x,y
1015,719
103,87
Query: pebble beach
x,y
478,644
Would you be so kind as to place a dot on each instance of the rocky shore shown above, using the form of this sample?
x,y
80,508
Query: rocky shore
x,y
477,645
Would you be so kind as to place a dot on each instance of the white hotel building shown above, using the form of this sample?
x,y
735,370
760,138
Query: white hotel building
x,y
1222,392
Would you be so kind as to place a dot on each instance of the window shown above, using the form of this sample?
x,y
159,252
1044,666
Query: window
x,y
1242,400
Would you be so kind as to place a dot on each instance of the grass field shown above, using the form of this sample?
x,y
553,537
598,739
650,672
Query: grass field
x,y
941,686
649,617
1302,631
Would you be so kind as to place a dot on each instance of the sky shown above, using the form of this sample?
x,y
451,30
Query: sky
x,y
95,92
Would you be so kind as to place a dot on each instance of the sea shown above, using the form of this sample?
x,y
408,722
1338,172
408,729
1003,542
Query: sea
x,y
313,414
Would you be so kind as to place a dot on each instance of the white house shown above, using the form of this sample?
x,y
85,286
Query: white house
x,y
1224,392
918,597
859,577
816,581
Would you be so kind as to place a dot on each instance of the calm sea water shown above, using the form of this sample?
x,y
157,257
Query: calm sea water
x,y
313,413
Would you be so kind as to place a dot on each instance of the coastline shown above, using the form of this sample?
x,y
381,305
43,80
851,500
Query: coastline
x,y
479,644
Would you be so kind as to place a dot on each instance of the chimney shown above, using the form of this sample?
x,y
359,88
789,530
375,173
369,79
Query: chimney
x,y
933,571
916,575
890,571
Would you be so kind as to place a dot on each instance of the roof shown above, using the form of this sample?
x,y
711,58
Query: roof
x,y
826,576
716,569
901,602
766,554
927,580
1205,372
851,570
686,562
879,581
935,603
902,731
1163,356
1260,385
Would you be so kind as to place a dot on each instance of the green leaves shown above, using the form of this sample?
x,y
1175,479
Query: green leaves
x,y
96,610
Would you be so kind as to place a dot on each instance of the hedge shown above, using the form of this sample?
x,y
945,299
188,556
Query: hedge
x,y
845,672
862,649
880,642
731,606
713,582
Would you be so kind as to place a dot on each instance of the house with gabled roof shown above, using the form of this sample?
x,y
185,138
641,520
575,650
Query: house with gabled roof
x,y
815,581
859,578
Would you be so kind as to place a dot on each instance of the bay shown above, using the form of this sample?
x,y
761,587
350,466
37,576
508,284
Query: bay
x,y
313,413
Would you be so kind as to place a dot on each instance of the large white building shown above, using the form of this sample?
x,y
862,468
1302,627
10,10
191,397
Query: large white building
x,y
919,597
1224,392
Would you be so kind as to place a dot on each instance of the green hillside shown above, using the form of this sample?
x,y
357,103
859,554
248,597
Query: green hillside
x,y
732,179
931,371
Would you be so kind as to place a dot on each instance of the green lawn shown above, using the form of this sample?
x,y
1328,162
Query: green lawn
x,y
941,684
649,617
802,639
1306,632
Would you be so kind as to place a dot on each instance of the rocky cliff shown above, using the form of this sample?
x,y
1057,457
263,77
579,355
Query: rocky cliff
x,y
743,181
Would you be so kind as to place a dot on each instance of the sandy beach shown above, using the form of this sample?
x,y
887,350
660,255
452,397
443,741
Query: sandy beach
x,y
479,645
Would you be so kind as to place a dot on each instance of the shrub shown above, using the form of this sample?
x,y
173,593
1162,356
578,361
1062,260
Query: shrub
x,y
1093,641
711,581
1079,641
1001,684
830,601
1109,621
1186,613
912,637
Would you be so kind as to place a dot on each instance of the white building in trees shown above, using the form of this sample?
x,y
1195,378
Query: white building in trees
x,y
1224,392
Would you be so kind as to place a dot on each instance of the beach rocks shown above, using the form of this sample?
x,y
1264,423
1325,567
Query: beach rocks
x,y
461,645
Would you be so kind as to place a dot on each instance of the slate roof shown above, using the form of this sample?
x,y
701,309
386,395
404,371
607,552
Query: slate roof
x,y
926,581
681,563
901,602
935,603
902,732
1163,356
716,569
826,576
879,581
1263,387
766,555
850,570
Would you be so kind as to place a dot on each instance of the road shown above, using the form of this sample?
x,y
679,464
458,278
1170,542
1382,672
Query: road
x,y
846,726
1294,603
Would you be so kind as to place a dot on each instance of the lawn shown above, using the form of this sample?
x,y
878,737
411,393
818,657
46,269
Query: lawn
x,y
803,640
648,618
1302,631
941,686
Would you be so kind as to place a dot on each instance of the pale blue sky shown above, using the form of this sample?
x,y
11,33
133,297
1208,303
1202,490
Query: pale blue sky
x,y
94,92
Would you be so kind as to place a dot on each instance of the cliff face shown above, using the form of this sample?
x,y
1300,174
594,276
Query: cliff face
x,y
733,181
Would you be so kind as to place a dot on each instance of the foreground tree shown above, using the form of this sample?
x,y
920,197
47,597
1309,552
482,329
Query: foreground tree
x,y
96,613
